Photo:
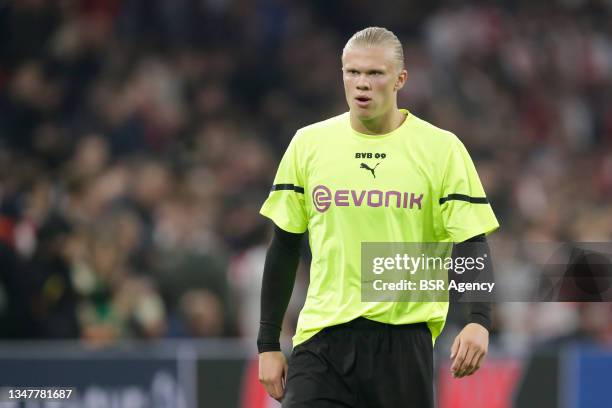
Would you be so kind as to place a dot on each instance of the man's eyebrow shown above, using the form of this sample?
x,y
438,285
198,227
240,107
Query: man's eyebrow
x,y
349,68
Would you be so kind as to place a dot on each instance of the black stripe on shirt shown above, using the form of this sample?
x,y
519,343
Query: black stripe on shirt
x,y
297,189
463,197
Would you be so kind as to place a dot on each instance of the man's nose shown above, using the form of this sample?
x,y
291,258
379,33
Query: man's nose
x,y
362,83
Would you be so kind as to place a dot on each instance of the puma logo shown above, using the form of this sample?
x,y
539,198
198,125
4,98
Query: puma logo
x,y
365,166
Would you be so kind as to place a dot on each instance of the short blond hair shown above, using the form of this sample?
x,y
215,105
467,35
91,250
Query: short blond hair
x,y
377,36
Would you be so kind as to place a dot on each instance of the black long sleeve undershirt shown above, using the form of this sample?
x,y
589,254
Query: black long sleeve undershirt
x,y
279,273
480,311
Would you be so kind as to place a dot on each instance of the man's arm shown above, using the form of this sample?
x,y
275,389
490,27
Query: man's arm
x,y
280,268
471,344
278,280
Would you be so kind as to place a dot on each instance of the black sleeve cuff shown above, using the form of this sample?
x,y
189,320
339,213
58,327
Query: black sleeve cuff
x,y
265,347
482,320
268,337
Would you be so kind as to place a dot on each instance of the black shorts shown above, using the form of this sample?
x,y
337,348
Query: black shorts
x,y
362,364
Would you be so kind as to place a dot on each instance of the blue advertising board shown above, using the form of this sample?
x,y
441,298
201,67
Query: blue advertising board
x,y
586,377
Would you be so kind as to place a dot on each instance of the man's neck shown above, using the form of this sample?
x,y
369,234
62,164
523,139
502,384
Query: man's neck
x,y
380,125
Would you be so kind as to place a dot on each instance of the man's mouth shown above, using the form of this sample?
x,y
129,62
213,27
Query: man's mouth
x,y
362,101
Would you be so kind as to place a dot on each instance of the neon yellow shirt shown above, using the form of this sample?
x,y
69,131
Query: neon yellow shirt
x,y
414,184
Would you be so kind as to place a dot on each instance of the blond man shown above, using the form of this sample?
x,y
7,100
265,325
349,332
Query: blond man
x,y
376,173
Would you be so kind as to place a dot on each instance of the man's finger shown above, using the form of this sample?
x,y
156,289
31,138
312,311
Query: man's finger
x,y
479,360
284,379
465,365
472,366
460,371
276,390
454,347
459,358
273,387
471,369
282,383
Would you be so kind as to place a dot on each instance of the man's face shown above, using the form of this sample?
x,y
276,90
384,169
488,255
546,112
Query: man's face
x,y
371,80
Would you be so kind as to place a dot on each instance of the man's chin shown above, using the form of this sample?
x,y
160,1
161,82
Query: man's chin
x,y
362,113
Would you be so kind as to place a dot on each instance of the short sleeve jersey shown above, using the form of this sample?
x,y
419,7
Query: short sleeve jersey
x,y
414,184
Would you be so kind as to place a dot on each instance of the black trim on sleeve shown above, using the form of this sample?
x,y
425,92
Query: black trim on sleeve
x,y
297,189
463,197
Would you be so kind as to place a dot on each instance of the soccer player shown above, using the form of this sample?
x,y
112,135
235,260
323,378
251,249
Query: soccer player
x,y
374,174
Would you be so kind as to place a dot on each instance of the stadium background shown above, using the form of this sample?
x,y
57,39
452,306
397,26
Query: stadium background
x,y
138,140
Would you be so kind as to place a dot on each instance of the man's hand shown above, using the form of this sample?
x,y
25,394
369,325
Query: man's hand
x,y
469,349
273,372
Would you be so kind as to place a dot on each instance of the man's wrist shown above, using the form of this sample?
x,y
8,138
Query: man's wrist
x,y
481,320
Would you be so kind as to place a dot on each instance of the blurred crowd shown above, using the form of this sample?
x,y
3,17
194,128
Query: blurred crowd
x,y
138,139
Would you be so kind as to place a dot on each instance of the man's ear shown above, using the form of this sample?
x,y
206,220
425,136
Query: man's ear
x,y
401,80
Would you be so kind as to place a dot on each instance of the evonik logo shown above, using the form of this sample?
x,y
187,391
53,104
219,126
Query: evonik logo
x,y
323,198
